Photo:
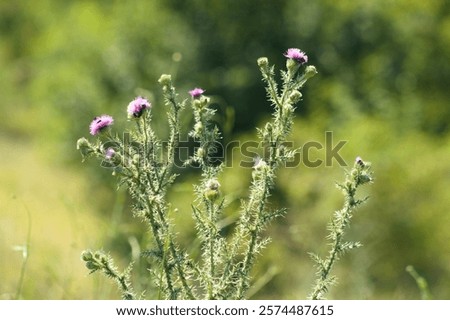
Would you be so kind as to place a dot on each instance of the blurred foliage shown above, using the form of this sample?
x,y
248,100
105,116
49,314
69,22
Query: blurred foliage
x,y
382,86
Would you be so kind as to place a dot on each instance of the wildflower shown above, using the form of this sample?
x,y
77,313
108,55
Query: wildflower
x,y
100,123
109,154
196,93
297,55
137,107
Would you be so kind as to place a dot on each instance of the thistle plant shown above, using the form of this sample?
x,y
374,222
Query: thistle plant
x,y
145,166
358,176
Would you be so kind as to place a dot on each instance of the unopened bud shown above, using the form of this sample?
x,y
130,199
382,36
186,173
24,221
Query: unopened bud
x,y
263,62
212,190
200,152
82,143
212,195
295,96
310,72
213,184
364,178
86,255
84,146
165,79
92,265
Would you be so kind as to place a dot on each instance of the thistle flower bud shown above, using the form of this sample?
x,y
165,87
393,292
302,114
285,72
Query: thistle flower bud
x,y
310,72
165,79
263,62
86,255
213,184
82,143
364,178
85,147
200,152
212,190
92,261
92,266
295,96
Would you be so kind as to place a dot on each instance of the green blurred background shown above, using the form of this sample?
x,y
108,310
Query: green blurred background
x,y
383,86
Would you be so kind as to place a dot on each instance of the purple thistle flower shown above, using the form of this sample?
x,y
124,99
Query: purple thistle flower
x,y
109,154
297,55
137,107
196,93
99,123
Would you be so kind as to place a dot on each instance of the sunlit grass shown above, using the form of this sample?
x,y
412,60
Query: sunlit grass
x,y
62,221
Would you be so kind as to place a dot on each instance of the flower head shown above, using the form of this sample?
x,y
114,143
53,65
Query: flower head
x,y
196,93
137,107
109,154
297,55
100,123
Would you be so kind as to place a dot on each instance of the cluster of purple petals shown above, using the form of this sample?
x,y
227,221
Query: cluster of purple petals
x,y
100,123
196,93
297,55
137,107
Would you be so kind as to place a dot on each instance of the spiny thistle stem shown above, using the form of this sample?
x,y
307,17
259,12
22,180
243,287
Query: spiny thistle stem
x,y
359,175
99,261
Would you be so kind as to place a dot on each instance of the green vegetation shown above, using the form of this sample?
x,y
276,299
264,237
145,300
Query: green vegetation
x,y
382,86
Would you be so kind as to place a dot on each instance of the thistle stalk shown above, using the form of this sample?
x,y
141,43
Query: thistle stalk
x,y
359,175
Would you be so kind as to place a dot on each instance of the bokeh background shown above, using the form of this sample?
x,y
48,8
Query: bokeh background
x,y
383,86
